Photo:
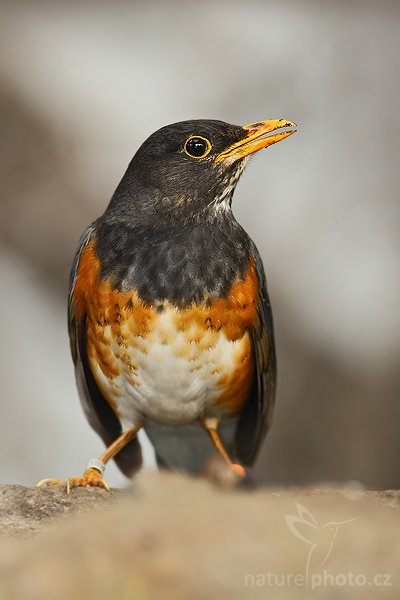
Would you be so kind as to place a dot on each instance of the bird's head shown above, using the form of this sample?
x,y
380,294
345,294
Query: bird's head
x,y
193,166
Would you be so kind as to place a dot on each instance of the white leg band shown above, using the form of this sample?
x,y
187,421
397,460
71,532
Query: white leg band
x,y
95,463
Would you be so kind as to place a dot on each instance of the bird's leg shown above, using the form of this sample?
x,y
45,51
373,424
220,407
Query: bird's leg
x,y
211,426
93,475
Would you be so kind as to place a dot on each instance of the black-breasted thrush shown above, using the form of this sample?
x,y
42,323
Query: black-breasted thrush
x,y
169,318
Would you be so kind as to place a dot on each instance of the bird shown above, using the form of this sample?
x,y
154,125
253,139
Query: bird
x,y
169,318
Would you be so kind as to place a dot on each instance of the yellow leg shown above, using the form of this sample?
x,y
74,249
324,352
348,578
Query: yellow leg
x,y
211,426
93,476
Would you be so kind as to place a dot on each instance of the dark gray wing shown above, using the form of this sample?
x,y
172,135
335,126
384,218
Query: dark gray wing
x,y
256,417
97,410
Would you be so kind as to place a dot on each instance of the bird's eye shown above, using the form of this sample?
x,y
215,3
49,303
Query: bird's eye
x,y
197,146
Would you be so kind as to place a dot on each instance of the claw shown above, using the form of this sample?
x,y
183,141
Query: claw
x,y
105,485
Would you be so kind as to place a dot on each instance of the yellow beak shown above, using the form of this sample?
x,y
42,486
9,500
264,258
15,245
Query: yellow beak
x,y
255,140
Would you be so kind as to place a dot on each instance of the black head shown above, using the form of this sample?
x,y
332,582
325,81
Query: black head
x,y
190,168
168,232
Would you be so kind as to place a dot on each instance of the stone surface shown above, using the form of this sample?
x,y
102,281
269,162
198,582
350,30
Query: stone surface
x,y
24,510
174,537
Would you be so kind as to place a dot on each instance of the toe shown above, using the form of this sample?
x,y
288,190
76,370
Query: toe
x,y
48,482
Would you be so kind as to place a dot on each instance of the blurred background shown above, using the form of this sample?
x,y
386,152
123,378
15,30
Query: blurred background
x,y
82,84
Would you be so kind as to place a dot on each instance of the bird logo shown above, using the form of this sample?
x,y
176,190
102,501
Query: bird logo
x,y
319,537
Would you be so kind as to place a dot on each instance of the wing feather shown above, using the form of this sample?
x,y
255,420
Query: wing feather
x,y
256,417
97,410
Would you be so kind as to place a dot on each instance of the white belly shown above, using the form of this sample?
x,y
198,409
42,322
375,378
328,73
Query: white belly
x,y
170,376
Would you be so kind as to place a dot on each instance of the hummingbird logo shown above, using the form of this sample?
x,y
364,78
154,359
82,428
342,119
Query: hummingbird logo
x,y
320,538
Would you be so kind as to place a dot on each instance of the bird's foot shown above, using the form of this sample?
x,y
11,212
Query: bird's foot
x,y
92,477
225,475
238,470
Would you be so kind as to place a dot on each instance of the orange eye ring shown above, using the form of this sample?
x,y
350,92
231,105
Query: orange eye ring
x,y
197,146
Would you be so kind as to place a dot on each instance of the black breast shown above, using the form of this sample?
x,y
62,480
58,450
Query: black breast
x,y
191,263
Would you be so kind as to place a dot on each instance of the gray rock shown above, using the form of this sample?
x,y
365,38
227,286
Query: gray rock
x,y
24,510
176,537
